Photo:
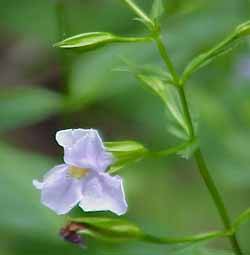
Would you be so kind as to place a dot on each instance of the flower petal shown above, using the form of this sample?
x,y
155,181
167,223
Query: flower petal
x,y
68,137
103,192
37,184
85,149
59,191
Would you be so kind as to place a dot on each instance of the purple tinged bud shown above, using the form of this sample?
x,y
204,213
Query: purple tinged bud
x,y
69,234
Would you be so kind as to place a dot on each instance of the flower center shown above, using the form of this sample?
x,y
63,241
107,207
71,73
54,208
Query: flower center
x,y
77,172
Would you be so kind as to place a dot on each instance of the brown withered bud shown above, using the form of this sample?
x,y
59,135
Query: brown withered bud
x,y
69,233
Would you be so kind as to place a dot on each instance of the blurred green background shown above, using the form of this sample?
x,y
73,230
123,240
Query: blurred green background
x,y
42,92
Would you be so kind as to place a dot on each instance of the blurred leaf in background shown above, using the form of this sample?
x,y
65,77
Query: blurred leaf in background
x,y
27,105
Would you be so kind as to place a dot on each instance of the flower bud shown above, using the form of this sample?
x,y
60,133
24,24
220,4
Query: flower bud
x,y
125,152
69,233
93,40
243,29
108,229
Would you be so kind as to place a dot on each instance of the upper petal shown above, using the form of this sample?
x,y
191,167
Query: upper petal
x,y
68,137
59,191
84,148
103,192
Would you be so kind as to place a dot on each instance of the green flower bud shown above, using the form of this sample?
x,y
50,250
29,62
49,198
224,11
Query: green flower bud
x,y
108,229
93,40
125,152
243,29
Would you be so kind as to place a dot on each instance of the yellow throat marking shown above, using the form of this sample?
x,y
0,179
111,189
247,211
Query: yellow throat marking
x,y
77,172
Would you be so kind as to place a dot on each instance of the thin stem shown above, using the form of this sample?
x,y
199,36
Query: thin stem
x,y
166,58
139,12
217,198
185,239
171,151
186,112
134,39
198,154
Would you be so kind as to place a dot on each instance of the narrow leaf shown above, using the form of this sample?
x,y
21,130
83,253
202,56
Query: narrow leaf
x,y
147,70
161,84
143,17
242,218
170,96
157,9
223,47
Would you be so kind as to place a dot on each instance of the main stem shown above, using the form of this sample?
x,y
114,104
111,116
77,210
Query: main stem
x,y
198,154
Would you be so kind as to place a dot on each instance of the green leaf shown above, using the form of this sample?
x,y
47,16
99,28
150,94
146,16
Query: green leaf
x,y
109,229
139,71
175,129
242,218
27,105
170,96
125,152
156,85
157,9
161,84
222,48
141,14
93,40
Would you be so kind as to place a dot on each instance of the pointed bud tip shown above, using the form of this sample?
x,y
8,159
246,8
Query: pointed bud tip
x,y
58,44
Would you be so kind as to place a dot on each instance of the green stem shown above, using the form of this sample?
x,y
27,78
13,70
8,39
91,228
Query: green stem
x,y
134,39
170,151
217,198
139,12
164,54
186,112
186,239
198,154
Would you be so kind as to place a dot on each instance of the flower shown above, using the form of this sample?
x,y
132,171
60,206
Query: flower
x,y
82,179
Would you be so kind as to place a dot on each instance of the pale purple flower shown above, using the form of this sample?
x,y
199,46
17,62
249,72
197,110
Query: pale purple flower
x,y
82,179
